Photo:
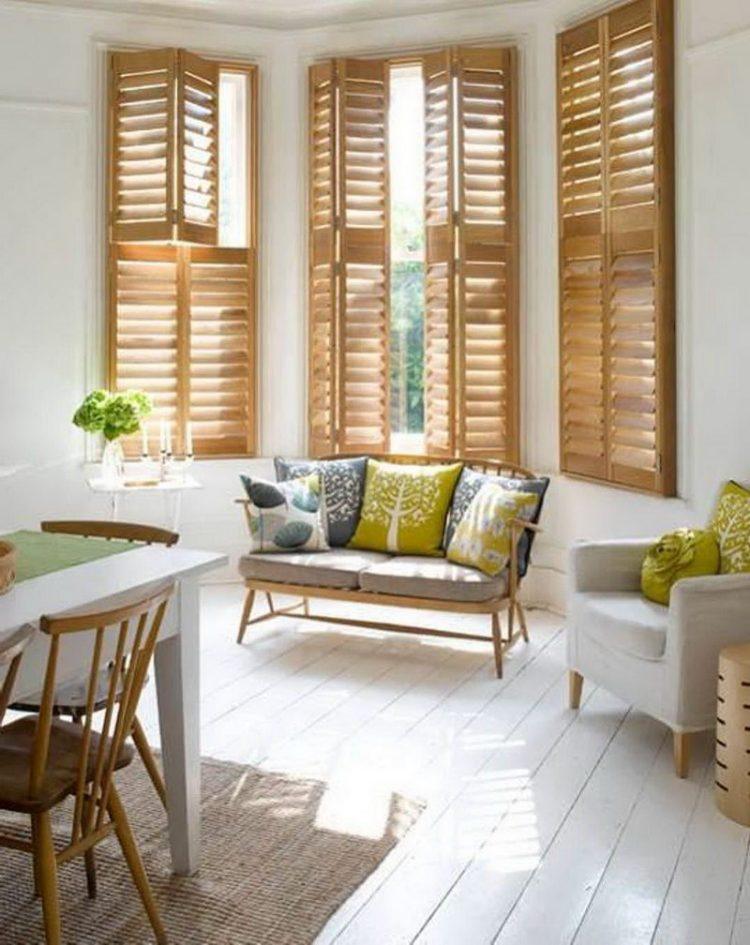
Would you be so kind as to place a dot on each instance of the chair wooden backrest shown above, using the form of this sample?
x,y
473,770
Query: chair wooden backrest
x,y
124,531
11,651
135,624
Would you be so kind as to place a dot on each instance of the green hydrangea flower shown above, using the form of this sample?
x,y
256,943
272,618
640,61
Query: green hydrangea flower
x,y
116,415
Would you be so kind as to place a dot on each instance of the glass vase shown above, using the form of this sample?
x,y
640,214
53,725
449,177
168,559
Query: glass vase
x,y
113,463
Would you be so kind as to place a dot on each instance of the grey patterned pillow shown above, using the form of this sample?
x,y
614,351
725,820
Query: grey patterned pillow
x,y
471,482
343,490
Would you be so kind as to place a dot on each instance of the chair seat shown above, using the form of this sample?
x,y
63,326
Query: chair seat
x,y
61,772
624,621
437,578
339,567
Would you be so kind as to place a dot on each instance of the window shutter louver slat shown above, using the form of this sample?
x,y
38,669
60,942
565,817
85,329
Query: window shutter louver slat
x,y
582,253
221,345
197,152
486,316
322,275
616,248
364,303
439,310
141,119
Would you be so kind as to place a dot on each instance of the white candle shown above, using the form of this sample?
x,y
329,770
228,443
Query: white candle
x,y
162,437
169,437
144,434
189,438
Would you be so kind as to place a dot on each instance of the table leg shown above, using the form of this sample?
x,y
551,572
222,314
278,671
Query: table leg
x,y
177,664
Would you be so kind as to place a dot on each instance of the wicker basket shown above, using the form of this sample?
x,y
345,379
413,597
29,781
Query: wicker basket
x,y
7,566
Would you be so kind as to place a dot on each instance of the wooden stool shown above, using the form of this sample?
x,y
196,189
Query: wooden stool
x,y
733,734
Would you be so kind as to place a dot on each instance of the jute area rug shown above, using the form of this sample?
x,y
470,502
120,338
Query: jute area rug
x,y
271,873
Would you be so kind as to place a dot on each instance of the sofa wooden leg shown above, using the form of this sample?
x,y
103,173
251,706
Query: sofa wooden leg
x,y
497,643
681,753
575,688
246,614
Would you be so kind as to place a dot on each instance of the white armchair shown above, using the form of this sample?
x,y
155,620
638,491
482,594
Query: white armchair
x,y
662,660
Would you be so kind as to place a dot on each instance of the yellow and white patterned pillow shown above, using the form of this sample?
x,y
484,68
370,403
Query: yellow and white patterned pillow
x,y
731,524
482,538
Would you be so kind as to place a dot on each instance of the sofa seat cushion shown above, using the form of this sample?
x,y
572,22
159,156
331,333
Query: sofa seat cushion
x,y
338,567
624,621
437,578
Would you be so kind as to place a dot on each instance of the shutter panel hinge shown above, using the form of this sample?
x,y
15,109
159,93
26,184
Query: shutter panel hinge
x,y
658,463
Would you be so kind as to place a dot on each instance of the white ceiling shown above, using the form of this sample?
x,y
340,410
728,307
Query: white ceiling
x,y
280,14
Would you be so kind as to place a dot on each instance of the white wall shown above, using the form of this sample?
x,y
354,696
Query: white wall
x,y
51,314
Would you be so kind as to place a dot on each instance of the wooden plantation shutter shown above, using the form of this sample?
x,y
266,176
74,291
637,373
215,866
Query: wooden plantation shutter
x,y
440,246
617,247
197,152
471,309
142,145
486,342
144,336
163,175
218,292
349,282
184,333
322,277
364,302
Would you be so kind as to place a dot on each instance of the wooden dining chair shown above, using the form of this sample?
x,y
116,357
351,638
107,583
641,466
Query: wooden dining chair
x,y
44,759
70,698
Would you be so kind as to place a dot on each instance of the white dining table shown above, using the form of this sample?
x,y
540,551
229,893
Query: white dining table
x,y
176,660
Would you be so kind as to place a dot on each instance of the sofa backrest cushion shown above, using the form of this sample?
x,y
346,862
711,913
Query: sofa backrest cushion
x,y
469,485
343,483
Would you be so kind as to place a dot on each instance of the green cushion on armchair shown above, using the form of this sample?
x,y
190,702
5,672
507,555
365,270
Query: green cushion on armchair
x,y
688,552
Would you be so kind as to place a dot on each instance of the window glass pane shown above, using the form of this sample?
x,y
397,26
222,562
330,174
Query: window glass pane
x,y
406,166
233,158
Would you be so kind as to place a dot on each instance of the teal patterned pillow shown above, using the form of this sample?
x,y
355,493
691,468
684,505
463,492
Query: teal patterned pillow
x,y
343,483
285,516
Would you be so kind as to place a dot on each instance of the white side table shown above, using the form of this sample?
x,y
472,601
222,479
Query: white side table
x,y
170,489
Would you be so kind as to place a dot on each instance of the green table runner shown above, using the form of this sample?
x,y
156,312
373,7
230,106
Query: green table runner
x,y
43,552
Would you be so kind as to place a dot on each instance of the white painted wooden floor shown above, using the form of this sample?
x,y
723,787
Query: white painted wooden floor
x,y
542,826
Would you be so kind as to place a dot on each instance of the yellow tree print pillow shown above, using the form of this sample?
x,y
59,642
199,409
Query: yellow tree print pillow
x,y
405,507
482,538
731,524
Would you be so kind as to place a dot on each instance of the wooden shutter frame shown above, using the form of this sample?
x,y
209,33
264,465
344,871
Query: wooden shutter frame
x,y
662,480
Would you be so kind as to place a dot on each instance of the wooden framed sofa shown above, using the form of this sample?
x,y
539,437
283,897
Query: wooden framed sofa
x,y
404,581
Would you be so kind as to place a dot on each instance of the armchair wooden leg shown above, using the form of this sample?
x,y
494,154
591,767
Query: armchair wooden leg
x,y
497,643
45,866
681,753
246,614
133,858
149,762
575,688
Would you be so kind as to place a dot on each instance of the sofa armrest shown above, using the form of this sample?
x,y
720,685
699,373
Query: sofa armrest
x,y
608,565
705,615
